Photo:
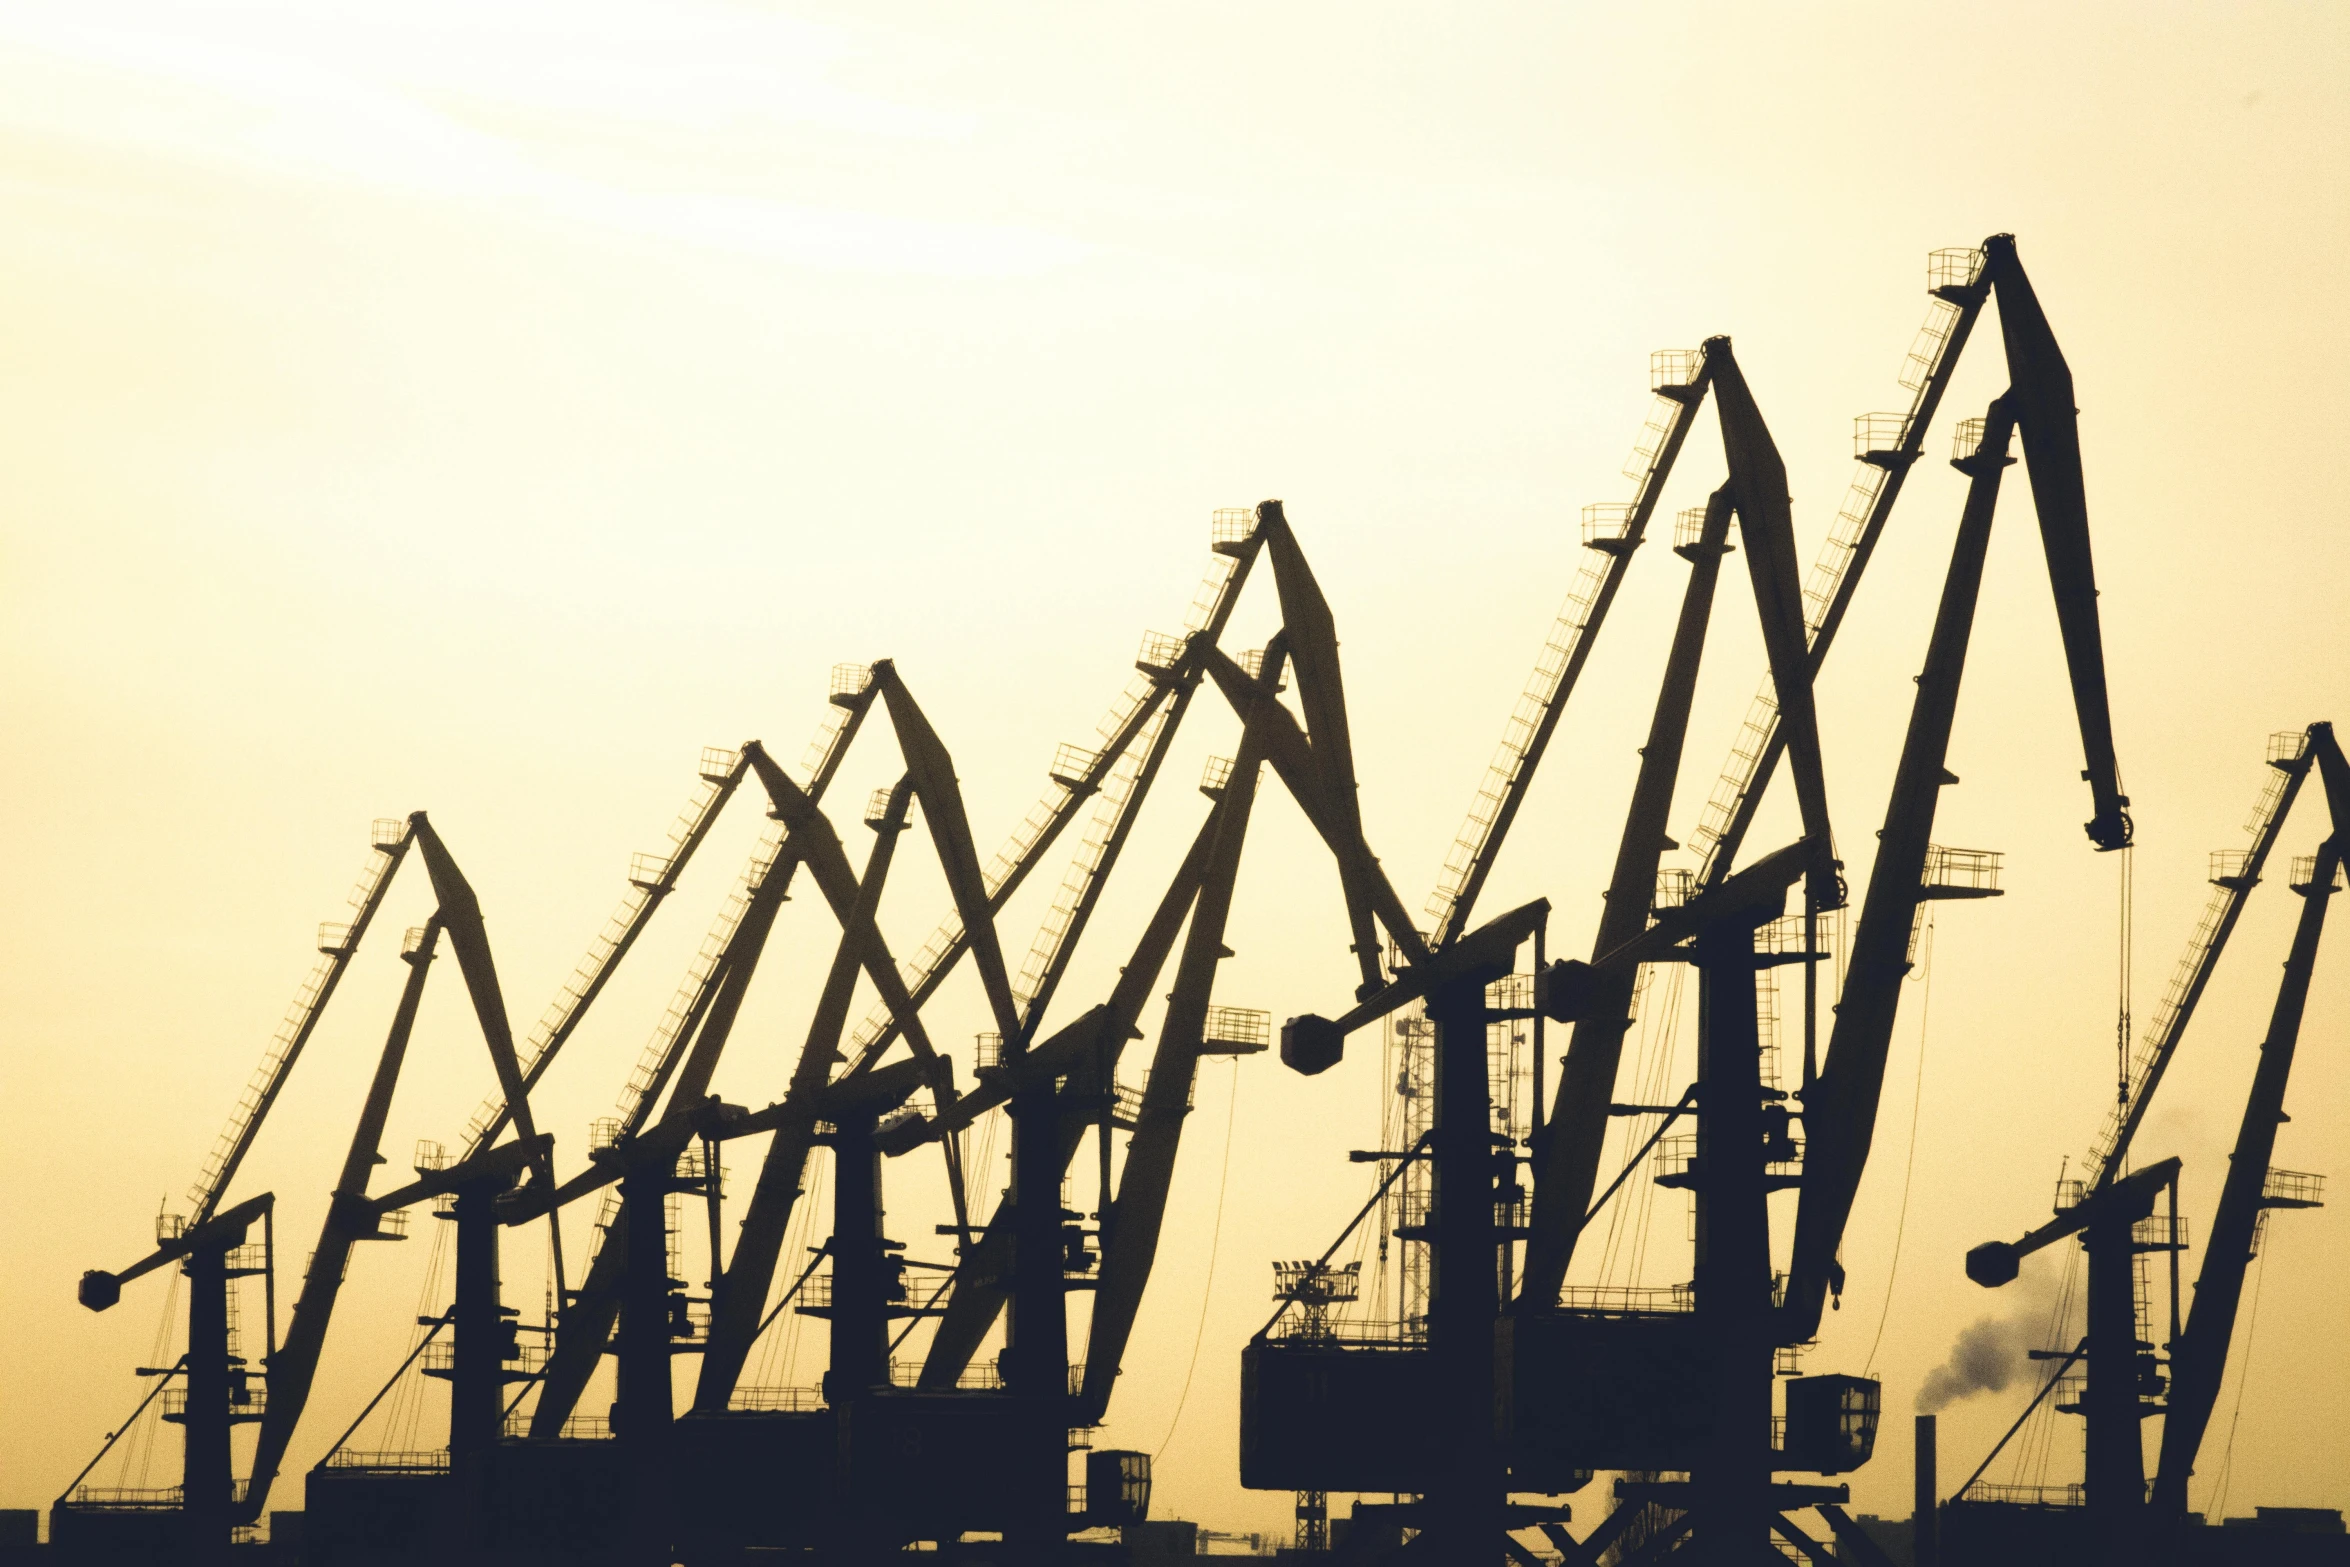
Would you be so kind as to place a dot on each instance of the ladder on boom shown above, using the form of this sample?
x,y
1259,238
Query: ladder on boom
x,y
1612,533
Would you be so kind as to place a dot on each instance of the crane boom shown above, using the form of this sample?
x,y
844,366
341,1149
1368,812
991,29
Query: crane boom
x,y
349,1219
469,939
1680,388
2231,889
1996,1262
1313,650
1954,280
1840,1109
2199,1359
933,772
1596,1048
2041,385
337,945
1130,1229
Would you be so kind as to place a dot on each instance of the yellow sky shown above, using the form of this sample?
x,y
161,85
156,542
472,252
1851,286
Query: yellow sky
x,y
480,408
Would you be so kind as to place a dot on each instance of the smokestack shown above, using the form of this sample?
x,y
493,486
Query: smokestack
x,y
1924,1524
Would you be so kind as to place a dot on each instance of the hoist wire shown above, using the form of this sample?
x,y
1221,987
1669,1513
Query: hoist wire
x,y
1215,1242
141,1451
2227,1462
2121,1026
1925,982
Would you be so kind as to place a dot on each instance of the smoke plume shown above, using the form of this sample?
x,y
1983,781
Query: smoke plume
x,y
1994,1353
1987,1357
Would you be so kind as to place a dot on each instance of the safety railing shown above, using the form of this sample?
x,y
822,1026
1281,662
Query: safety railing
x,y
579,1428
1236,1031
249,1402
1511,993
2305,873
127,1497
1967,440
1160,653
1664,411
1627,1300
1607,525
2025,1495
777,1400
987,1052
1230,527
1675,367
1956,266
849,682
1073,765
2293,1189
1674,889
2229,866
424,1460
1688,527
1877,437
1962,870
1215,776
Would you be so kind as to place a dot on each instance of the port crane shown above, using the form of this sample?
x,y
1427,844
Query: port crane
x,y
2112,1207
218,1388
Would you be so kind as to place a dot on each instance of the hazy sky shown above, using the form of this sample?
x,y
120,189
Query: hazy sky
x,y
480,408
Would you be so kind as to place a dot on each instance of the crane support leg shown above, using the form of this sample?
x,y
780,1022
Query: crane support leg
x,y
2115,1467
1037,1347
477,1379
1466,1504
207,1484
1733,1264
643,1407
860,1322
